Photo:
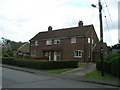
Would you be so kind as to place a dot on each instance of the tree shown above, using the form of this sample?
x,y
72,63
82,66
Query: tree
x,y
116,46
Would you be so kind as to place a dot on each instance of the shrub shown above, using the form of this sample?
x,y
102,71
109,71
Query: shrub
x,y
110,56
115,66
7,60
27,57
107,66
6,55
98,65
37,64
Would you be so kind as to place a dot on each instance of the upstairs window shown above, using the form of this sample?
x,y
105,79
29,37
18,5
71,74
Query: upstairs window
x,y
48,42
73,40
88,40
77,53
57,41
36,43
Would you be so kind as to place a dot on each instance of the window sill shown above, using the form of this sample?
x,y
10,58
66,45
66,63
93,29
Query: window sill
x,y
77,56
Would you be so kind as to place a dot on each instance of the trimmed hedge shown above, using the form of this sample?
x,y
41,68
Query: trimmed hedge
x,y
115,66
37,64
7,60
111,65
107,66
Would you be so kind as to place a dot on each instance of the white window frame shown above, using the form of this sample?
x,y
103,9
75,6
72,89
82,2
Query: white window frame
x,y
88,40
92,41
49,42
57,41
79,52
73,40
36,43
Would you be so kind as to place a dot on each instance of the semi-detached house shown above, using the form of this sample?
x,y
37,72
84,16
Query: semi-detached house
x,y
75,43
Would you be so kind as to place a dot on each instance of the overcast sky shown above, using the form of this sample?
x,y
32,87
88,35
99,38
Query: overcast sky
x,y
20,20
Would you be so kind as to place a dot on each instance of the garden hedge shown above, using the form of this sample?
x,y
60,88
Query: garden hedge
x,y
115,66
111,65
37,64
107,66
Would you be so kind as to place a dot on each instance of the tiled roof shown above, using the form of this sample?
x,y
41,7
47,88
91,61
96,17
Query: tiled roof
x,y
97,48
24,48
67,32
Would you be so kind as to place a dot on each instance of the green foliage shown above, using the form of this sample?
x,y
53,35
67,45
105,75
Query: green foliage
x,y
26,57
116,46
107,67
6,55
98,65
115,66
37,64
111,65
110,56
7,60
57,71
97,75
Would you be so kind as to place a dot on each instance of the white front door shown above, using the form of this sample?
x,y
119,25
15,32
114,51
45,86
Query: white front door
x,y
55,56
49,56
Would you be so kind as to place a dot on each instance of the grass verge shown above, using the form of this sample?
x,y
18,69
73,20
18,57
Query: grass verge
x,y
81,64
57,71
97,75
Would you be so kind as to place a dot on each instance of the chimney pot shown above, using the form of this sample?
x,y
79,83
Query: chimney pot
x,y
50,28
80,23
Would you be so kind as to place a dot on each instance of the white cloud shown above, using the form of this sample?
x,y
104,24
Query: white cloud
x,y
20,20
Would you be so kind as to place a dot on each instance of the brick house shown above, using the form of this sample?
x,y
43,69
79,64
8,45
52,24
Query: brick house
x,y
75,43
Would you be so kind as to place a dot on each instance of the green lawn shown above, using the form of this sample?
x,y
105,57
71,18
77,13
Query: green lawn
x,y
97,75
81,64
57,71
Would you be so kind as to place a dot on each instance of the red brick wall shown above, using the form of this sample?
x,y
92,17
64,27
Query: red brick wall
x,y
67,52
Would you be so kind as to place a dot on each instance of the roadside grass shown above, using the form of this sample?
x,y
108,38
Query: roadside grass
x,y
97,75
81,64
57,71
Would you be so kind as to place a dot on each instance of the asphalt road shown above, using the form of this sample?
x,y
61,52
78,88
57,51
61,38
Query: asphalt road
x,y
20,79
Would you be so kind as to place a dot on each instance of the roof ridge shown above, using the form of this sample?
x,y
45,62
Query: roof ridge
x,y
66,28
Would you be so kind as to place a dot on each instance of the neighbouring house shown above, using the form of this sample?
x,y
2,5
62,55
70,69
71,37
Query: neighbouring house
x,y
116,48
23,50
96,51
75,43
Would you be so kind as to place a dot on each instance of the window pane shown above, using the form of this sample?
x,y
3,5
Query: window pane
x,y
73,40
57,41
49,42
88,40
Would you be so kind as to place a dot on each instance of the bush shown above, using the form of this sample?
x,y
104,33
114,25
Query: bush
x,y
7,60
98,65
107,66
115,66
110,56
111,65
6,55
37,64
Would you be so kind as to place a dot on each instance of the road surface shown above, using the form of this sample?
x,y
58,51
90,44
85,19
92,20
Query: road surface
x,y
20,79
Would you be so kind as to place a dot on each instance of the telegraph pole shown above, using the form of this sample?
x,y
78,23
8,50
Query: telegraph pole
x,y
101,38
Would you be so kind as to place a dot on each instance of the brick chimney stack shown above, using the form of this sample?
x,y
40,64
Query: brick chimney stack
x,y
50,28
80,23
